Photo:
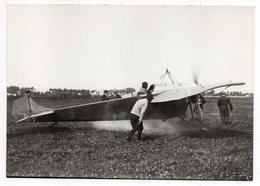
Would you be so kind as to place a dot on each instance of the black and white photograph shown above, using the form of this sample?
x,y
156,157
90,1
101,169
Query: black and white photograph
x,y
132,92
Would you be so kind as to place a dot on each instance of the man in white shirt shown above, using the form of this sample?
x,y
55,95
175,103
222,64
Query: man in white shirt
x,y
136,116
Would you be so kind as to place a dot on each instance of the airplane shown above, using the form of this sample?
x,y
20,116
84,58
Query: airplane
x,y
170,100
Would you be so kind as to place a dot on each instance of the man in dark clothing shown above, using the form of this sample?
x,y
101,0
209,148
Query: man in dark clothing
x,y
136,116
198,98
28,92
202,101
105,96
224,104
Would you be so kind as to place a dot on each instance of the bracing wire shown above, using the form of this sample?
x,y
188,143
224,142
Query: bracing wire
x,y
217,94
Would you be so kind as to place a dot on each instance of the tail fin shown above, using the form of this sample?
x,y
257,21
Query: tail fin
x,y
24,107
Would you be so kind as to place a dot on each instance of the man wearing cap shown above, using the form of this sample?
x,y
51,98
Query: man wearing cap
x,y
143,89
136,116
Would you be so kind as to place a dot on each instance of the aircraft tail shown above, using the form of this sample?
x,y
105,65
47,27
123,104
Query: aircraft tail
x,y
25,107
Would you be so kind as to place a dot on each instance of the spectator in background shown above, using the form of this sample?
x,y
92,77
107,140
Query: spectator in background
x,y
105,96
28,93
202,101
224,104
198,111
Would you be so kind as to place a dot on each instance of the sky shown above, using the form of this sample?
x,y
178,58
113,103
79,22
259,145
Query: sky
x,y
119,46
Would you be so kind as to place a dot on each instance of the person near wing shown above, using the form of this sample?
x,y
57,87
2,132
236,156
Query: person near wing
x,y
28,93
224,104
198,111
136,116
143,89
202,101
105,96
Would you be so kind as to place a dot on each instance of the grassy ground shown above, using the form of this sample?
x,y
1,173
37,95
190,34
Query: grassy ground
x,y
179,151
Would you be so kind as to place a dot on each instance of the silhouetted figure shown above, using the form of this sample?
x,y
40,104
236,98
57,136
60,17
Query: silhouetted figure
x,y
28,93
224,104
198,112
105,96
202,101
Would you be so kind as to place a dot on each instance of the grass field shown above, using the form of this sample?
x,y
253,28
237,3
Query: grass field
x,y
169,150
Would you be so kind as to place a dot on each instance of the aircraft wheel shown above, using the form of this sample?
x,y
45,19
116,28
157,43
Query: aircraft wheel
x,y
195,122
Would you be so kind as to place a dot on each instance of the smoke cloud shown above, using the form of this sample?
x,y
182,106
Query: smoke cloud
x,y
150,126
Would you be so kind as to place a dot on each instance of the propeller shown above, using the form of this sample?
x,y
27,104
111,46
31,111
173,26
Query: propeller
x,y
195,78
195,74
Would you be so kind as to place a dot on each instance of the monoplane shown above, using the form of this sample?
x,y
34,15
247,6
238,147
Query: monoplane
x,y
170,100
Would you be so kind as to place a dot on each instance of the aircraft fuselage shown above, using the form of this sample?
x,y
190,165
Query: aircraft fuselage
x,y
117,109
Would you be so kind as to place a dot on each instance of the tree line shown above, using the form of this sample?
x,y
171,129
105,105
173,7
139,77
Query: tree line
x,y
228,93
15,91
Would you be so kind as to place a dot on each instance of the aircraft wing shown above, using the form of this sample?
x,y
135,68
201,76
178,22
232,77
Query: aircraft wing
x,y
181,92
117,109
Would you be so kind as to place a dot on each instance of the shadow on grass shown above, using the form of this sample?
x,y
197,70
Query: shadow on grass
x,y
152,137
45,128
38,130
216,133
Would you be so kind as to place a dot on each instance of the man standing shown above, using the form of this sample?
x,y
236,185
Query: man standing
x,y
224,104
105,96
136,116
202,101
198,111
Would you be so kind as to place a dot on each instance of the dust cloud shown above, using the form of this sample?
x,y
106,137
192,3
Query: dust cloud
x,y
150,126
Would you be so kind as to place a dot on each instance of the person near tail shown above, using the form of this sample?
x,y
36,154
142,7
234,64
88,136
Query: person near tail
x,y
224,104
136,116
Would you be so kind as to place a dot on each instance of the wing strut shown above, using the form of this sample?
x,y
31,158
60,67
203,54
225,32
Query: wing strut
x,y
190,108
167,72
